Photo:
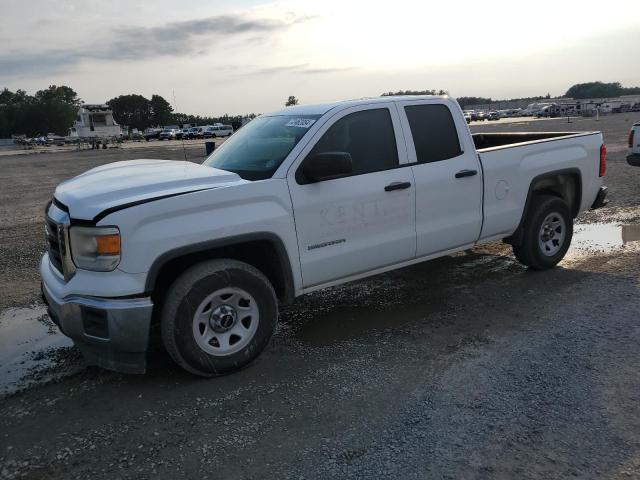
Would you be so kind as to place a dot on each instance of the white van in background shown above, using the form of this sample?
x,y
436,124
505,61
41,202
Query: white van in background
x,y
221,130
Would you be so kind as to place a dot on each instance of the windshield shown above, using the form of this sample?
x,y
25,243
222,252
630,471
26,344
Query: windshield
x,y
256,150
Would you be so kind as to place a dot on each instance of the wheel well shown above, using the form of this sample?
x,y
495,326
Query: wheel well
x,y
565,184
261,254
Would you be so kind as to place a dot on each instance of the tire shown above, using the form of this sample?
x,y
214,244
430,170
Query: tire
x,y
548,229
204,346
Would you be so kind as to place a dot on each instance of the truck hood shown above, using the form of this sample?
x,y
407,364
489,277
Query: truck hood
x,y
136,181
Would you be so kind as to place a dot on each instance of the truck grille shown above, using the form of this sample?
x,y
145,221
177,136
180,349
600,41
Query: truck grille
x,y
56,223
53,243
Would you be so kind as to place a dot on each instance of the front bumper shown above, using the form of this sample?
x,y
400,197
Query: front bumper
x,y
601,198
634,159
110,333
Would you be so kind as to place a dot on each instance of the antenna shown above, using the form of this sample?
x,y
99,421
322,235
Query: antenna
x,y
175,104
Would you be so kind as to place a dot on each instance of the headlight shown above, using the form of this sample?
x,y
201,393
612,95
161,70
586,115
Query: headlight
x,y
95,248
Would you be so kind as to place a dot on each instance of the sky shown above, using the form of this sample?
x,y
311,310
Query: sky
x,y
212,57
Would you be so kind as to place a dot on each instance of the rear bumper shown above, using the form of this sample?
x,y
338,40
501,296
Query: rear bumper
x,y
110,333
634,159
601,198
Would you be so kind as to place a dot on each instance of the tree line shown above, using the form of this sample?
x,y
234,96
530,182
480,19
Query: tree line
x,y
136,111
463,101
53,110
600,90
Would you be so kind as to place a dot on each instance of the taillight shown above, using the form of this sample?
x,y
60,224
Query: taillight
x,y
603,160
631,138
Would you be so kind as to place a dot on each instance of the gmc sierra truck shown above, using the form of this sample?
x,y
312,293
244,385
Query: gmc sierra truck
x,y
295,201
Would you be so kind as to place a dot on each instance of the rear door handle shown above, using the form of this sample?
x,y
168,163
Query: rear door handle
x,y
397,186
466,173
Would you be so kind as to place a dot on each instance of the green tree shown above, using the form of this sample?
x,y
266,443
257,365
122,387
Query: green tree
x,y
160,110
55,109
595,90
291,101
49,110
470,101
131,110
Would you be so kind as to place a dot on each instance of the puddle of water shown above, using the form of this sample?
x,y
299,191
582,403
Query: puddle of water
x,y
27,335
603,237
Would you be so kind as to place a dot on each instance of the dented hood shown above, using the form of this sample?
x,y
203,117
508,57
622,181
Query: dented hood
x,y
136,181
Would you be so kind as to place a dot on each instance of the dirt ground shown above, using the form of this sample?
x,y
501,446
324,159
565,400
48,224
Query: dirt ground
x,y
468,366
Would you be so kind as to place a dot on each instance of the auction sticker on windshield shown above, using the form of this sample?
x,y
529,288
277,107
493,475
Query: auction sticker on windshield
x,y
300,122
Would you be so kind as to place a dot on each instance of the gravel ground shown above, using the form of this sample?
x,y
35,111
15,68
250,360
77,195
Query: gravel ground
x,y
468,366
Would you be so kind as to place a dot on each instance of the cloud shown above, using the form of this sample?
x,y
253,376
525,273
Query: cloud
x,y
277,70
136,43
299,68
314,71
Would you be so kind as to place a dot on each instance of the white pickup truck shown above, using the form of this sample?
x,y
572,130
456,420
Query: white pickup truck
x,y
297,200
633,158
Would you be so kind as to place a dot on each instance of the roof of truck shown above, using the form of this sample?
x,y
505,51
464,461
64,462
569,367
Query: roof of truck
x,y
322,108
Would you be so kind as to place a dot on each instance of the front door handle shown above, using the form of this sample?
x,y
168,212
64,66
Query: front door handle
x,y
466,173
397,186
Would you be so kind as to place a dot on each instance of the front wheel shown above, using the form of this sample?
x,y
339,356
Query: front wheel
x,y
548,229
219,316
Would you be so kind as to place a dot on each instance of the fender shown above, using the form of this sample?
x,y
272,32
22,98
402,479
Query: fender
x,y
516,237
276,241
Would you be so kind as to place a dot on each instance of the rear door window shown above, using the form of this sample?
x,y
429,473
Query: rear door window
x,y
434,132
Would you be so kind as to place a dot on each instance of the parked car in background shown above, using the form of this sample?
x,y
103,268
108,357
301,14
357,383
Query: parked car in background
x,y
53,139
151,133
168,134
207,132
301,199
475,115
467,116
181,134
199,132
493,115
191,133
221,131
634,145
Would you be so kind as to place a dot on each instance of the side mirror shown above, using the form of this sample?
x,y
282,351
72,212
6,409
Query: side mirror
x,y
327,165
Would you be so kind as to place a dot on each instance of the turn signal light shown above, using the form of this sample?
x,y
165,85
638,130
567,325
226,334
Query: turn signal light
x,y
108,245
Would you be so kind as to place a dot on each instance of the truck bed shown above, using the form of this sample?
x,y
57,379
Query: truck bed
x,y
486,141
511,162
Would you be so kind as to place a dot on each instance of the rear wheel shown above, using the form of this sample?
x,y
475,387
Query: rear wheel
x,y
219,315
548,229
